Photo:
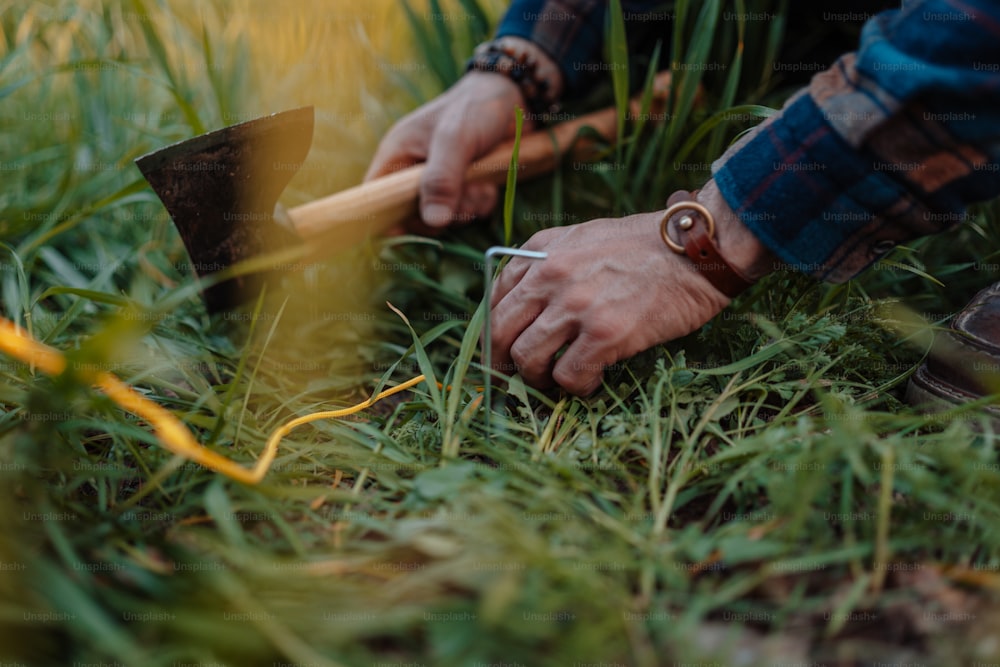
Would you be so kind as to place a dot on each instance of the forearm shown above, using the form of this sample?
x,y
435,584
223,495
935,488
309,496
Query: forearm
x,y
889,144
570,34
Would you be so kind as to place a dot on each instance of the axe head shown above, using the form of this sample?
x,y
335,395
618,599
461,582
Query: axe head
x,y
221,189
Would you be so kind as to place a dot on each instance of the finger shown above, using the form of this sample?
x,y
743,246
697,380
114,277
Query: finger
x,y
443,179
391,157
509,278
484,198
478,201
535,349
403,146
513,310
552,270
508,319
580,370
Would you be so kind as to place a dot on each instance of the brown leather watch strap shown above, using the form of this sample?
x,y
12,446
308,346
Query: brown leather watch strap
x,y
688,228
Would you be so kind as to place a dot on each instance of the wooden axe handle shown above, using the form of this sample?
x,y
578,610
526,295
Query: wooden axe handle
x,y
350,216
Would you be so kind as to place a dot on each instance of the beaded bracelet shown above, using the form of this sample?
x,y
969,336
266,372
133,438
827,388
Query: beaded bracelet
x,y
521,68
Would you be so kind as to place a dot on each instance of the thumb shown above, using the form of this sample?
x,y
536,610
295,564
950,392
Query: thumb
x,y
444,176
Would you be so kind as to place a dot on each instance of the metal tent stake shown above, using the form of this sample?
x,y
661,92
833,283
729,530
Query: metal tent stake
x,y
486,341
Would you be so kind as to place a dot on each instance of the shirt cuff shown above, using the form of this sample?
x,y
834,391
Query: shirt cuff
x,y
885,146
810,198
570,32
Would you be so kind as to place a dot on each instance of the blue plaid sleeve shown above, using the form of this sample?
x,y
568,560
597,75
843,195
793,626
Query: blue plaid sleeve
x,y
891,143
571,32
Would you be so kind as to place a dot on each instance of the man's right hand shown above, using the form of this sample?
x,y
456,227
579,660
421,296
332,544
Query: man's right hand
x,y
449,133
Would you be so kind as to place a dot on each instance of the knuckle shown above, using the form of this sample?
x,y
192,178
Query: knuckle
x,y
529,365
603,331
577,303
544,236
440,185
519,354
499,336
405,134
578,382
451,132
554,269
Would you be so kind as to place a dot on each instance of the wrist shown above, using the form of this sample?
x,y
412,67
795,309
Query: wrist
x,y
737,245
703,227
527,65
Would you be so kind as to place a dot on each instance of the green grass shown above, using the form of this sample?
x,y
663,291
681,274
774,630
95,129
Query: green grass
x,y
757,488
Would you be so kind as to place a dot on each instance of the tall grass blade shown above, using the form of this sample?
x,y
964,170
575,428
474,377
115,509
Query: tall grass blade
x,y
617,57
463,361
176,85
718,120
509,192
728,96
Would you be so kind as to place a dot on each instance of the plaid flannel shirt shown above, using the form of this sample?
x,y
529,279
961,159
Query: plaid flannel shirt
x,y
571,32
892,142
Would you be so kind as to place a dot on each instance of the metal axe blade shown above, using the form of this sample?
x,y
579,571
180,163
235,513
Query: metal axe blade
x,y
221,189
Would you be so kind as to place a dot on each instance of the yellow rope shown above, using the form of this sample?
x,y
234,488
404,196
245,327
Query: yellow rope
x,y
173,435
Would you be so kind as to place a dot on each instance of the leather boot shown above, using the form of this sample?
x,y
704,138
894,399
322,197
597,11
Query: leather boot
x,y
964,363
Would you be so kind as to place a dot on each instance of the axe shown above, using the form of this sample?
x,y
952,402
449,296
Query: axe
x,y
222,188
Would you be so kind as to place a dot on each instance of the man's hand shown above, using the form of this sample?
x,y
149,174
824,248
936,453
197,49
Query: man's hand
x,y
467,121
608,289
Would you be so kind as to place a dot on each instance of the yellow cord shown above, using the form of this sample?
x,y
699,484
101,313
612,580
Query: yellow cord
x,y
173,435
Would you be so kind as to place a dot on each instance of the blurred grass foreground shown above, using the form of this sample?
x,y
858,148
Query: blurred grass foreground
x,y
754,494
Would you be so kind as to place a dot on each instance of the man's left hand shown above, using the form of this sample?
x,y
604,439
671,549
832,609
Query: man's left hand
x,y
609,288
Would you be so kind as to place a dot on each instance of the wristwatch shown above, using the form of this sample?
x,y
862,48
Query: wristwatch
x,y
688,228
